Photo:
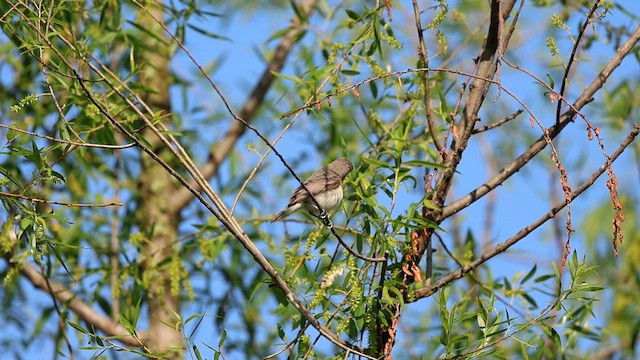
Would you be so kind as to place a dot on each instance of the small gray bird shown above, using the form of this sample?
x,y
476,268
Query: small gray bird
x,y
326,186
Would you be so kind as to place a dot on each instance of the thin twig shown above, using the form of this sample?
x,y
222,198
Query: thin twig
x,y
497,123
228,221
574,109
82,309
62,141
251,105
425,76
454,275
576,44
477,280
290,345
51,202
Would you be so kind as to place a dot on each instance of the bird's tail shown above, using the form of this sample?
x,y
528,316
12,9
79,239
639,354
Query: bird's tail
x,y
279,215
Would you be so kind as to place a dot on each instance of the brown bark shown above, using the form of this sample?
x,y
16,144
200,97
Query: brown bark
x,y
84,310
478,89
157,220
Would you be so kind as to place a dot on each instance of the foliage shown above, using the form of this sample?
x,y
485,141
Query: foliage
x,y
138,179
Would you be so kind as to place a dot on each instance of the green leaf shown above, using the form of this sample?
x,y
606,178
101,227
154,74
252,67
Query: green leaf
x,y
286,77
427,164
36,156
126,324
558,277
223,337
78,327
350,72
61,260
299,12
465,316
208,33
12,134
553,335
507,284
543,278
374,89
376,163
529,274
280,33
550,80
530,300
196,352
352,14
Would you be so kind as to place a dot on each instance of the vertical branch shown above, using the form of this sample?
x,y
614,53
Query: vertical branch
x,y
565,77
115,246
430,125
477,91
490,209
425,76
157,218
237,128
62,315
421,242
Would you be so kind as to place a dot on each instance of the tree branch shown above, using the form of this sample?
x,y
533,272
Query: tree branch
x,y
477,91
541,143
52,202
498,123
222,213
565,77
217,155
454,275
81,308
422,53
63,141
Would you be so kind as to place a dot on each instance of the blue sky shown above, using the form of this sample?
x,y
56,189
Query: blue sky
x,y
523,198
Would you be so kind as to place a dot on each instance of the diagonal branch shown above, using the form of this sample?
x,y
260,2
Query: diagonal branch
x,y
477,92
498,123
219,210
425,77
565,78
53,202
454,275
81,308
541,143
217,155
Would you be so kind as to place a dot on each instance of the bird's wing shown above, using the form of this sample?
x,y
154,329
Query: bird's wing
x,y
320,181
